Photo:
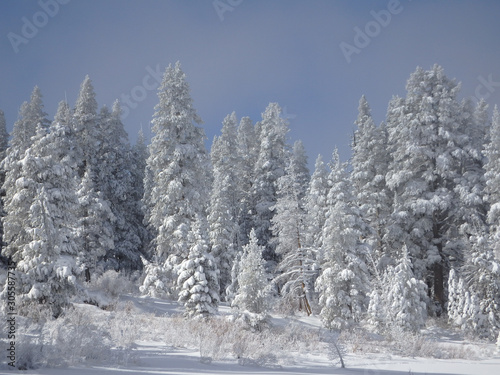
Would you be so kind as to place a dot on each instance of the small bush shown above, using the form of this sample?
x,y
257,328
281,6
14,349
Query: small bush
x,y
113,284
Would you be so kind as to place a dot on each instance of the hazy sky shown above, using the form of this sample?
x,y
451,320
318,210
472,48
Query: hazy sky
x,y
314,57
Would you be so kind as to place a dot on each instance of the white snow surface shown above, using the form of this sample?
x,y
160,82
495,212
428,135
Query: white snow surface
x,y
154,357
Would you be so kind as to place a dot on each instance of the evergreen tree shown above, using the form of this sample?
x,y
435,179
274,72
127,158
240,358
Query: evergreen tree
x,y
85,126
95,226
139,155
16,203
492,176
247,149
31,115
47,263
224,201
315,204
198,277
4,136
470,210
288,227
4,139
114,180
344,281
270,166
369,166
253,297
300,165
422,176
405,296
476,302
179,170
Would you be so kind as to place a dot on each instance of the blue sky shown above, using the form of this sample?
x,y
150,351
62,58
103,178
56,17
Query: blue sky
x,y
245,55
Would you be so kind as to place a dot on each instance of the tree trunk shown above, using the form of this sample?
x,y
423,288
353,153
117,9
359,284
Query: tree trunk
x,y
87,275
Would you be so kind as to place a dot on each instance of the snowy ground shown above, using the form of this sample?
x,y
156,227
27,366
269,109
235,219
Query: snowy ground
x,y
155,356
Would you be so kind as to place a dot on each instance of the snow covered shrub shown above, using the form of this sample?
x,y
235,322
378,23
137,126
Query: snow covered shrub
x,y
336,350
113,283
124,327
75,338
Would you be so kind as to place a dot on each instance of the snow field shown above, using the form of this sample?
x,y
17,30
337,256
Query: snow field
x,y
149,336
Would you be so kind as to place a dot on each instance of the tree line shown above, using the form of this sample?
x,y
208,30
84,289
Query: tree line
x,y
408,228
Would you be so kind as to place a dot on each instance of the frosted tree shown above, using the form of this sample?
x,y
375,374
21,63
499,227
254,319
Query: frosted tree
x,y
4,136
47,263
344,281
369,167
252,300
470,211
4,141
299,157
248,148
85,126
315,204
199,277
95,226
405,295
427,149
31,115
288,227
480,314
139,155
114,180
492,176
179,169
16,204
270,166
224,200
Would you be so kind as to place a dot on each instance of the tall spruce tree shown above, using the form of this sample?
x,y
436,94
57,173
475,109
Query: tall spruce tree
x,y
224,200
369,167
248,148
492,176
85,126
31,115
95,226
4,142
344,283
427,149
178,164
270,165
114,180
288,227
47,263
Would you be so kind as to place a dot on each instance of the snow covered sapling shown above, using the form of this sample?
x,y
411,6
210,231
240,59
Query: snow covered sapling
x,y
251,302
199,277
405,295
